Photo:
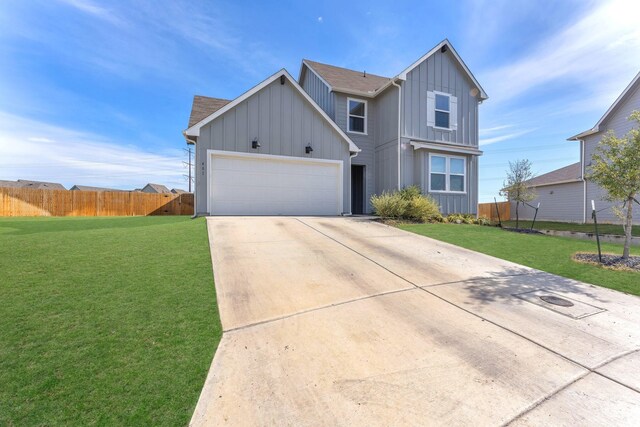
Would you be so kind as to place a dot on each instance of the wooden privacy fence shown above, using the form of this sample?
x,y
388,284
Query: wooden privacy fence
x,y
489,210
31,202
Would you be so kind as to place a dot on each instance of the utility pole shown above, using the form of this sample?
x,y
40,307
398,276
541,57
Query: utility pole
x,y
189,165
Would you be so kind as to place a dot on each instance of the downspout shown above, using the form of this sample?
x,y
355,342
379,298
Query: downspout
x,y
351,157
393,82
195,204
583,146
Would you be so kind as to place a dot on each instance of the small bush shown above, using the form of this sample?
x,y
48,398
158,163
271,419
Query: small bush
x,y
389,205
407,204
483,220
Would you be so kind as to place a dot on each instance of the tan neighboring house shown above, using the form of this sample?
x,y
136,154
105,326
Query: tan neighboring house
x,y
565,194
155,188
89,188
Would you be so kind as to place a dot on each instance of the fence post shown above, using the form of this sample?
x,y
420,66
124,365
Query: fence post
x,y
595,222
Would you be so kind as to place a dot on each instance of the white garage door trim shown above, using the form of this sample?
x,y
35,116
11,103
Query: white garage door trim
x,y
288,159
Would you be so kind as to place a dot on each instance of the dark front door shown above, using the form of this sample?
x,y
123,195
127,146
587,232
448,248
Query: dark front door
x,y
357,189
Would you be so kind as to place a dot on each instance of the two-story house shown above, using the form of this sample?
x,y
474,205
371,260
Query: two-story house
x,y
565,194
323,145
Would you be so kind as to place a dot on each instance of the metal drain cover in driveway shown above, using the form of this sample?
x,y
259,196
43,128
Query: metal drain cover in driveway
x,y
551,299
559,303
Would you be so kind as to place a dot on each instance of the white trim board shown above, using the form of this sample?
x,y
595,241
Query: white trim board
x,y
446,148
596,128
195,129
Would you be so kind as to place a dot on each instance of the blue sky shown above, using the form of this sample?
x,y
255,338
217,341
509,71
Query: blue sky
x,y
98,93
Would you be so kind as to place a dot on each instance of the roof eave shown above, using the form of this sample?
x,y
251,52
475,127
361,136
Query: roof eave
x,y
581,135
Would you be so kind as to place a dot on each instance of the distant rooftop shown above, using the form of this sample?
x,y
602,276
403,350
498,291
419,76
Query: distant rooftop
x,y
566,174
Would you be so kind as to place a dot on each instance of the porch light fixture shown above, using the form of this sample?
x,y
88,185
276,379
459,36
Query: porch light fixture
x,y
308,149
255,144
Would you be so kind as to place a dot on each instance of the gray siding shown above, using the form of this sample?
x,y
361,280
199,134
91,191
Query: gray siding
x,y
558,202
364,142
439,72
449,202
621,126
386,141
284,123
319,92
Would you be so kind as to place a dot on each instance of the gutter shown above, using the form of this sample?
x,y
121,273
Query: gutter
x,y
192,142
393,82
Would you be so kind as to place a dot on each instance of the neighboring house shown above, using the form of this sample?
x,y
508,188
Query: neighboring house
x,y
38,185
179,191
565,195
89,188
326,144
155,188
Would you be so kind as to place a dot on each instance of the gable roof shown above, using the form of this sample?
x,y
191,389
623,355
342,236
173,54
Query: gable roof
x,y
346,80
571,173
179,191
157,188
631,87
25,183
194,130
449,46
90,188
204,106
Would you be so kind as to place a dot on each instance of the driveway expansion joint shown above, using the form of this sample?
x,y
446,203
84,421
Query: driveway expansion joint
x,y
557,353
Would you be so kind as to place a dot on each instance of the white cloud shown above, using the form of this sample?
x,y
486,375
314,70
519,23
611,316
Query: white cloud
x,y
40,151
599,48
505,137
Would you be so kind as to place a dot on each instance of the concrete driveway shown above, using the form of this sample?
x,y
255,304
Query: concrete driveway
x,y
336,321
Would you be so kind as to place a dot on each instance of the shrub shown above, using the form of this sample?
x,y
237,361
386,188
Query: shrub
x,y
483,220
408,204
389,205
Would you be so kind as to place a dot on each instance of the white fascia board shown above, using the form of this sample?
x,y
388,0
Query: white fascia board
x,y
619,99
446,148
567,181
195,129
403,74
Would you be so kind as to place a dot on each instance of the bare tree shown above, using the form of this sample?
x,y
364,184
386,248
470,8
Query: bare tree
x,y
615,166
516,189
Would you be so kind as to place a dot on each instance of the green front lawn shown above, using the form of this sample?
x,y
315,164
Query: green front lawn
x,y
104,321
568,226
548,253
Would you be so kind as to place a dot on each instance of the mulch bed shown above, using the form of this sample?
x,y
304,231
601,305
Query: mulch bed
x,y
522,230
611,261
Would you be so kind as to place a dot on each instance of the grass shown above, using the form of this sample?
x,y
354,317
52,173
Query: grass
x,y
104,321
547,253
568,226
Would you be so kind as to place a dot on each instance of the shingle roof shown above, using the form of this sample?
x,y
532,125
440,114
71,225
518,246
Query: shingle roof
x,y
40,185
178,191
156,188
204,106
566,174
343,78
89,188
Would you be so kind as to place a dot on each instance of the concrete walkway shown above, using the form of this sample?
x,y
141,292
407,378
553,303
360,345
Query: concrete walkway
x,y
335,321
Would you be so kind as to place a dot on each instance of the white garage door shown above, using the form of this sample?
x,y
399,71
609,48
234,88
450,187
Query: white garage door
x,y
258,184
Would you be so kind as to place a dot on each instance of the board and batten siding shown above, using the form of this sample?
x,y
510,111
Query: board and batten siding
x,y
319,92
619,124
284,124
450,202
386,141
439,72
364,142
558,202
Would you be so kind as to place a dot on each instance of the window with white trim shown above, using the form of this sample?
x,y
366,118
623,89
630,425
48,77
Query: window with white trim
x,y
447,173
356,116
443,111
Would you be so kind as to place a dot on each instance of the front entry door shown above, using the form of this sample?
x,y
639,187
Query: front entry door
x,y
357,189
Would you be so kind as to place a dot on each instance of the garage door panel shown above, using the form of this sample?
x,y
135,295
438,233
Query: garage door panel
x,y
242,184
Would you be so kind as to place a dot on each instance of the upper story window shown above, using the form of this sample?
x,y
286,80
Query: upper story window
x,y
357,116
442,109
447,173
